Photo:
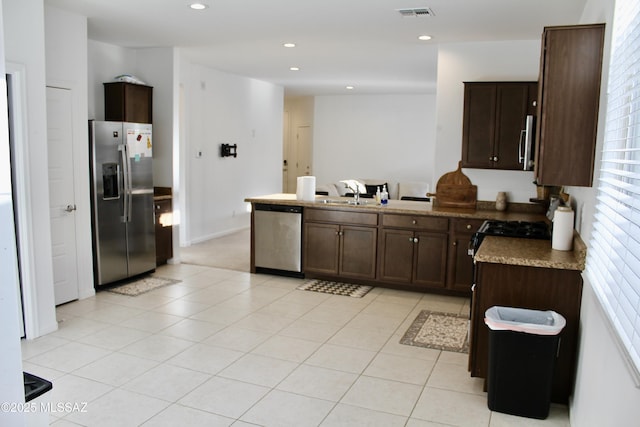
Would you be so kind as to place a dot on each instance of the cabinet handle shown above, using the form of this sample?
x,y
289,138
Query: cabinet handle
x,y
411,239
495,158
414,222
338,233
455,243
415,240
468,226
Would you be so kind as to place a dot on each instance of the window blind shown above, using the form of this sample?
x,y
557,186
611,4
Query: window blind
x,y
613,262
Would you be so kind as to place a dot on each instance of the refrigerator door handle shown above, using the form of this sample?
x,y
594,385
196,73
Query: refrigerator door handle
x,y
130,185
125,174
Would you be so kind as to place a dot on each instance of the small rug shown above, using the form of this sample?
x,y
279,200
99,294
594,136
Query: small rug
x,y
442,331
141,286
335,288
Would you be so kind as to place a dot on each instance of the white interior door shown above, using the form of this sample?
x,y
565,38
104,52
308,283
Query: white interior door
x,y
61,194
285,153
303,142
299,156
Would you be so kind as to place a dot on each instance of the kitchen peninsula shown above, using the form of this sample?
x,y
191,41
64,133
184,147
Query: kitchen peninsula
x,y
408,245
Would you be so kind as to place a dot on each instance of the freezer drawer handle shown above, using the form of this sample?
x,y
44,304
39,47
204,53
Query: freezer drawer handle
x,y
71,208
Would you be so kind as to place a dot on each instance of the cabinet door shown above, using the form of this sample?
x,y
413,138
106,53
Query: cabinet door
x,y
358,252
127,102
478,129
569,90
396,255
430,262
321,246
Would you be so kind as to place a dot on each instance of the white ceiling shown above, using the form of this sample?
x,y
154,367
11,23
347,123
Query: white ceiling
x,y
364,43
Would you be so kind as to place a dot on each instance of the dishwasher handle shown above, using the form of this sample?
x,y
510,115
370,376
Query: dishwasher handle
x,y
278,208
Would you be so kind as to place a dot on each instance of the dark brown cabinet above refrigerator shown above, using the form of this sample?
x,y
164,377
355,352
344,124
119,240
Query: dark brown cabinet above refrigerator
x,y
128,102
569,94
495,118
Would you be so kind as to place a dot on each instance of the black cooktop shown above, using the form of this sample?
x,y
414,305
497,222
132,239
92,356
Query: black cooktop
x,y
524,229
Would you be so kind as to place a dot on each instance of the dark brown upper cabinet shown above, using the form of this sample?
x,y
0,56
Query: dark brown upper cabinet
x,y
128,102
494,119
569,94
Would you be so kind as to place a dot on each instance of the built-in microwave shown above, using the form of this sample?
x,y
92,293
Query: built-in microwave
x,y
526,152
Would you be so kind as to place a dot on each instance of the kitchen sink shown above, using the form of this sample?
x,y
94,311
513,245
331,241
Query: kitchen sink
x,y
343,202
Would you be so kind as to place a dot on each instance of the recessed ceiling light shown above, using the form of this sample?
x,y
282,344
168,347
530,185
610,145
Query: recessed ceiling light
x,y
294,68
198,6
289,45
349,87
424,37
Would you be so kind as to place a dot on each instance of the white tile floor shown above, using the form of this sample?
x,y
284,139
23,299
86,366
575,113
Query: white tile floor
x,y
225,348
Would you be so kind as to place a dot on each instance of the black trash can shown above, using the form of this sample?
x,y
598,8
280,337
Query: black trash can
x,y
523,347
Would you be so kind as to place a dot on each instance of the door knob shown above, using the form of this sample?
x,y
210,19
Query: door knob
x,y
70,208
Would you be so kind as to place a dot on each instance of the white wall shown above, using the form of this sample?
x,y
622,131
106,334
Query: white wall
x,y
605,393
11,385
66,67
480,61
223,108
105,62
388,137
24,45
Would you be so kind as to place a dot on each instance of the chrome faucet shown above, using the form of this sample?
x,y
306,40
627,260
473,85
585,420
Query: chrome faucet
x,y
356,193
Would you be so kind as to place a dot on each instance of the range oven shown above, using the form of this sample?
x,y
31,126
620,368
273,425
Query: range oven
x,y
521,229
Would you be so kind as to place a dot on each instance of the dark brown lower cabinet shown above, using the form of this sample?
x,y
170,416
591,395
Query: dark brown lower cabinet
x,y
533,288
340,250
416,258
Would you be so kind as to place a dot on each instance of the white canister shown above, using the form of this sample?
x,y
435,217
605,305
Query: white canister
x,y
562,237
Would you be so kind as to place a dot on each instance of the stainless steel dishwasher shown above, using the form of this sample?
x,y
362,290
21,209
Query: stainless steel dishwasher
x,y
278,239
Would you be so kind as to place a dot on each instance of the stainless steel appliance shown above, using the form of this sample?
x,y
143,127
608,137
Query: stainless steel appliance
x,y
525,149
278,239
121,200
521,229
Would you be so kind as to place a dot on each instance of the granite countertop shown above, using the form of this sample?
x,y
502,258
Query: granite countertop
x,y
398,207
531,253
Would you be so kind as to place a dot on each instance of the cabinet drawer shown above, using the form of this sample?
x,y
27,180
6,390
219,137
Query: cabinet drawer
x,y
466,225
341,217
417,222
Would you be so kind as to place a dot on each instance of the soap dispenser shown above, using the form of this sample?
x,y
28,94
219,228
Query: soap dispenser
x,y
384,196
378,195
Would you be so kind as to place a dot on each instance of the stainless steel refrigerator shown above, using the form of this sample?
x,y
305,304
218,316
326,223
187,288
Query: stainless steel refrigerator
x,y
121,200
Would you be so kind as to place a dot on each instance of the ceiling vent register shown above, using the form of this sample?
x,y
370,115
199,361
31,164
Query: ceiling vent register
x,y
415,12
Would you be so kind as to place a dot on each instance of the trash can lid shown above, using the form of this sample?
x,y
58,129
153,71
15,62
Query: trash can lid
x,y
525,320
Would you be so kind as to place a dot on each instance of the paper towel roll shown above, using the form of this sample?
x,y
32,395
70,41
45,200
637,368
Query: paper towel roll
x,y
306,188
562,238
